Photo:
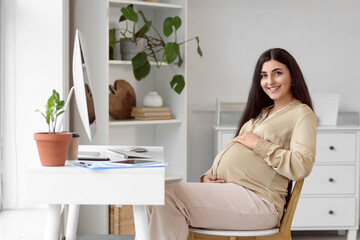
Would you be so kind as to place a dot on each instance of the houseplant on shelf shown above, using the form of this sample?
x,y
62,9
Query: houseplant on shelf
x,y
157,48
53,146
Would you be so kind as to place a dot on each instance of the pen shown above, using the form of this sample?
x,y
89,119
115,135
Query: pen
x,y
94,159
84,164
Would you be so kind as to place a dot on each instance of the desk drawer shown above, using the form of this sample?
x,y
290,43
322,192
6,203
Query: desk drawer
x,y
330,180
325,212
336,147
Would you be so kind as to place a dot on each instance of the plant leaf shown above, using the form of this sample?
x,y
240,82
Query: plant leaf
x,y
198,47
129,13
56,95
122,18
178,83
59,105
48,115
60,113
112,37
171,51
167,26
180,61
143,17
50,102
142,72
142,31
139,60
177,22
41,113
169,23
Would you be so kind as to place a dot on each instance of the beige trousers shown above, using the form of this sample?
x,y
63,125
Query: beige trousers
x,y
209,205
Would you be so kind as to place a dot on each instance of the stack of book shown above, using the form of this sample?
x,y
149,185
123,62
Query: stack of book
x,y
151,113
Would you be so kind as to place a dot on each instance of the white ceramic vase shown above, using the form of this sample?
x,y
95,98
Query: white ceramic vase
x,y
153,99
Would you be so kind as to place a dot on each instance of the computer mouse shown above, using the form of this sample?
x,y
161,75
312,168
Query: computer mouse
x,y
137,149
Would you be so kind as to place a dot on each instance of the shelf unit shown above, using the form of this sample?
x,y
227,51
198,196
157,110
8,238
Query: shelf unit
x,y
123,62
145,5
142,122
94,18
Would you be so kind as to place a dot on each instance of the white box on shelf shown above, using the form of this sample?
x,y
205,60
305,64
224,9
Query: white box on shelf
x,y
326,107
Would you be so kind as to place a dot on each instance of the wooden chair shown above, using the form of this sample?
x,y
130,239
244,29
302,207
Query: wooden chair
x,y
282,233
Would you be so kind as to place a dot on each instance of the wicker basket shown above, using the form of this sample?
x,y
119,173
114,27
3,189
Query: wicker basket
x,y
121,220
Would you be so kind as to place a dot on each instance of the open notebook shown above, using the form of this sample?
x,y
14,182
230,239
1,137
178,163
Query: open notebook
x,y
116,158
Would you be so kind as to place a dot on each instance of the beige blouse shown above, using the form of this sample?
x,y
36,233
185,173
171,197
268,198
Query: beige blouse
x,y
286,151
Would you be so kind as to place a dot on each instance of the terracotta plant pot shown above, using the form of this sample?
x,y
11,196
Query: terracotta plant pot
x,y
53,148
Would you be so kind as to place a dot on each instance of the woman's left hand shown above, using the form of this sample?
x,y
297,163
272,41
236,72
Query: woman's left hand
x,y
248,139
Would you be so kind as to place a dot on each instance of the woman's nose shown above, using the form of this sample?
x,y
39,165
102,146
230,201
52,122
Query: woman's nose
x,y
271,80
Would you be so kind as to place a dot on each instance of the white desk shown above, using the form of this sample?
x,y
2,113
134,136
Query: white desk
x,y
76,186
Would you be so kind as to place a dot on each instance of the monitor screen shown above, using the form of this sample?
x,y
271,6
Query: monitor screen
x,y
82,85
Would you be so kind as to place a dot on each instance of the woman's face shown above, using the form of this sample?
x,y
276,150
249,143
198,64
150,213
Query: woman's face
x,y
276,81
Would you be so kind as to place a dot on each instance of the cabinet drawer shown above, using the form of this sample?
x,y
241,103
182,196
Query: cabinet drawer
x,y
336,147
330,180
325,212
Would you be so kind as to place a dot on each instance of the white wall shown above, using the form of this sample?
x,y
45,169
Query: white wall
x,y
33,66
323,35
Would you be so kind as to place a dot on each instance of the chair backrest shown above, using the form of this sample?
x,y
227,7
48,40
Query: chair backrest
x,y
291,206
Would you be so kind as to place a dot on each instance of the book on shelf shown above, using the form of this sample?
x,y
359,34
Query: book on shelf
x,y
153,118
151,109
149,114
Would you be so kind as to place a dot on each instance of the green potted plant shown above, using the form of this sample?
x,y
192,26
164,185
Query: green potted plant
x,y
157,48
53,146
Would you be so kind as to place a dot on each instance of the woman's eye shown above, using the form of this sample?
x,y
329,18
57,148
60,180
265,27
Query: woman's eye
x,y
263,76
278,73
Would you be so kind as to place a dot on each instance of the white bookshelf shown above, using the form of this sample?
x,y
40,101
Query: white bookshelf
x,y
143,122
145,5
123,62
94,18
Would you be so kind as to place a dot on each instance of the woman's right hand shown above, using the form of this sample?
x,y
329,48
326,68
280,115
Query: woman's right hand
x,y
212,179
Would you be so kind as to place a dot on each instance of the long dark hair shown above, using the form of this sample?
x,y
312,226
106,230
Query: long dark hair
x,y
258,99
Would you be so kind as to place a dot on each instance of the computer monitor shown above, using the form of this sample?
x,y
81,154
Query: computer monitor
x,y
82,86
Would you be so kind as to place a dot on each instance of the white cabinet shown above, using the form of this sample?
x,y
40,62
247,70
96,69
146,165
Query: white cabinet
x,y
94,18
330,195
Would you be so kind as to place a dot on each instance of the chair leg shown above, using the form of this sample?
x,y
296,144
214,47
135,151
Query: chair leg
x,y
191,236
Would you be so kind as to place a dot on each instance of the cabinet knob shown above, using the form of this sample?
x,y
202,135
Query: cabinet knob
x,y
331,212
331,148
331,179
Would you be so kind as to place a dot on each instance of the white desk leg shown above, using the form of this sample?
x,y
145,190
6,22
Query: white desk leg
x,y
351,235
72,222
53,222
141,222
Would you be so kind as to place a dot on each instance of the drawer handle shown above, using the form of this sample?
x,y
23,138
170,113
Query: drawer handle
x,y
331,147
331,212
331,179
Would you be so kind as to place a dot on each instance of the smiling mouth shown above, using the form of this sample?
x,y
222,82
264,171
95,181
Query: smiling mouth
x,y
273,89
